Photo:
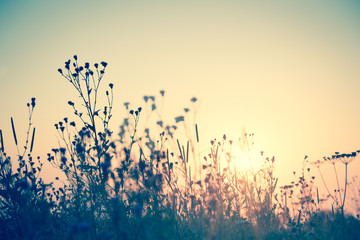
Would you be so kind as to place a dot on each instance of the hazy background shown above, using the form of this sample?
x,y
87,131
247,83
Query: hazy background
x,y
287,71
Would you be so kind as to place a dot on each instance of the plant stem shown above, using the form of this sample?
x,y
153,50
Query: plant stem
x,y
322,178
337,180
343,203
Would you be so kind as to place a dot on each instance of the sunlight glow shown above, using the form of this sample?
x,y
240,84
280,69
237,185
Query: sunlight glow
x,y
244,155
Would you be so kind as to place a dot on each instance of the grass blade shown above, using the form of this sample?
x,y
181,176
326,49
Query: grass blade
x,y
2,141
187,152
317,195
180,149
13,129
32,140
197,134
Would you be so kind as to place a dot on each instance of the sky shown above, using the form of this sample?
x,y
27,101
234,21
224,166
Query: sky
x,y
287,71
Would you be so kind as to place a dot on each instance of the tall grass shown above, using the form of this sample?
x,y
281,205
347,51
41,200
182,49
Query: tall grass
x,y
154,183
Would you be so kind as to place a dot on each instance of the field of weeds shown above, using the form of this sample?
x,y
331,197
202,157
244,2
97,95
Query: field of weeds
x,y
138,184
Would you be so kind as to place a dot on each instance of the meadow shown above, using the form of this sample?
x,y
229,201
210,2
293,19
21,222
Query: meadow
x,y
154,184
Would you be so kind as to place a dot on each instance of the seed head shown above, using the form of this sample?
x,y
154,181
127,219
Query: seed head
x,y
33,102
104,64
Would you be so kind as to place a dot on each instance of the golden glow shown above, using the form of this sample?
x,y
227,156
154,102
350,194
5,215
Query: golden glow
x,y
287,72
244,156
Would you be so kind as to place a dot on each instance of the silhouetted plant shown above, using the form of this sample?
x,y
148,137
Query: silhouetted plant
x,y
25,201
153,182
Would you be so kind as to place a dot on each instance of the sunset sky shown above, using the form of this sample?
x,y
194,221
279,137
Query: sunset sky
x,y
287,71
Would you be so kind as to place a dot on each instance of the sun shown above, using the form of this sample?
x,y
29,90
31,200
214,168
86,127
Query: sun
x,y
245,157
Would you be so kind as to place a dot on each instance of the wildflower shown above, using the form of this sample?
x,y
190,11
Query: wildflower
x,y
131,112
347,158
75,57
87,65
55,150
194,99
60,71
104,64
111,85
162,92
333,159
63,160
33,102
102,72
72,124
139,109
160,123
70,103
179,119
96,65
62,150
317,163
